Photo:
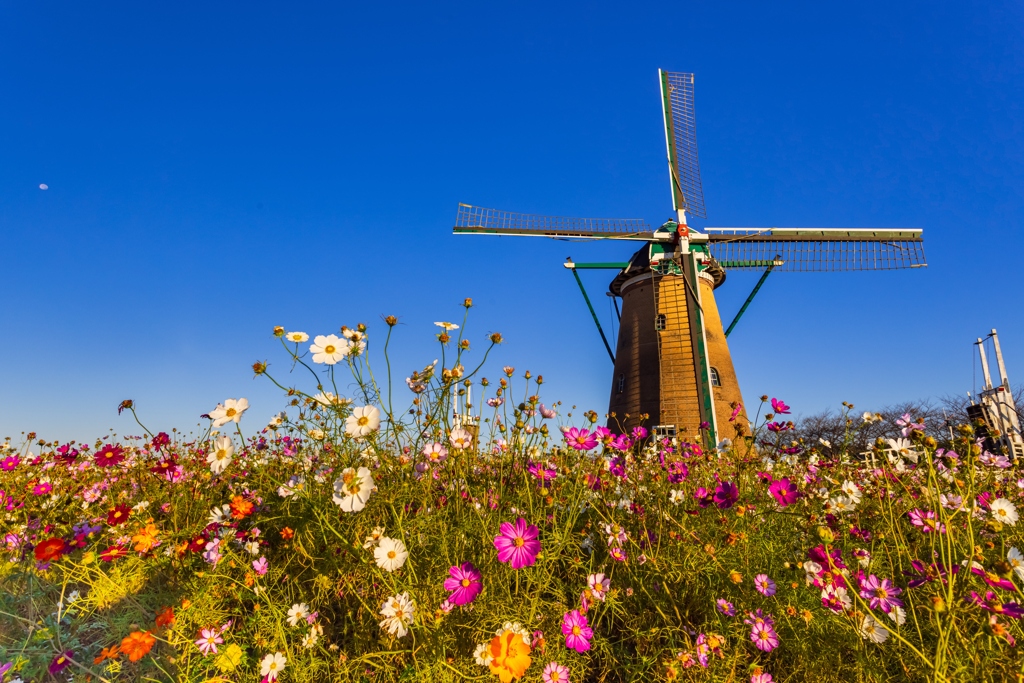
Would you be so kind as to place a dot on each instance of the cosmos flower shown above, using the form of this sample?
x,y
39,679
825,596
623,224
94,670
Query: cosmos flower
x,y
390,554
60,662
231,411
555,673
993,603
872,630
398,612
783,491
51,549
926,521
260,566
726,494
508,655
353,489
763,636
220,456
725,607
779,408
576,631
580,439
362,421
460,439
464,583
881,593
517,544
435,452
328,349
1004,511
598,585
297,613
296,337
764,585
108,456
137,645
272,665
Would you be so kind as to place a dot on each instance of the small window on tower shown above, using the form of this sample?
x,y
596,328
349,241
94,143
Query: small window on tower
x,y
664,432
660,322
715,382
622,383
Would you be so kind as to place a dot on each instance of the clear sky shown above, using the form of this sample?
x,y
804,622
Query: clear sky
x,y
215,169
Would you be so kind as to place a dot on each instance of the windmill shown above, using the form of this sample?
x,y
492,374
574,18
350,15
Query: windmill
x,y
672,368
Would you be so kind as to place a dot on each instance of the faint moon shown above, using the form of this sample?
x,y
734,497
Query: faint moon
x,y
44,186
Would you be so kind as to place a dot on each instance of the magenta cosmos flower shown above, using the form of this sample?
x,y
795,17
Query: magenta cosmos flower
x,y
784,491
517,544
577,633
556,673
764,585
580,439
61,662
881,593
764,636
726,494
779,407
464,584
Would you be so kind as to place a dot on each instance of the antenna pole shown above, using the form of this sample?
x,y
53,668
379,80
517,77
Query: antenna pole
x,y
999,361
984,363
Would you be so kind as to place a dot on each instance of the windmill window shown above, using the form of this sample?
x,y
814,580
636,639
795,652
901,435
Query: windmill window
x,y
622,382
715,382
660,322
664,431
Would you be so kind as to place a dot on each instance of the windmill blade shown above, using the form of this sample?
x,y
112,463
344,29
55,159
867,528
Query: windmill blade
x,y
477,220
816,249
681,138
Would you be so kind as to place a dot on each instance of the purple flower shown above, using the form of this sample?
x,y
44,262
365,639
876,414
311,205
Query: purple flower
x,y
260,566
61,662
993,580
764,636
726,494
784,491
881,593
639,433
617,466
42,489
726,607
464,582
779,407
580,439
9,463
517,544
992,603
541,472
577,633
926,521
764,585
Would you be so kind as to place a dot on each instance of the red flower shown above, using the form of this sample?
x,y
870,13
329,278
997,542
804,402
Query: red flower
x,y
118,515
161,440
108,455
165,617
114,552
50,549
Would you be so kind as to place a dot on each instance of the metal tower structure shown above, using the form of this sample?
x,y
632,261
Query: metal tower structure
x,y
996,408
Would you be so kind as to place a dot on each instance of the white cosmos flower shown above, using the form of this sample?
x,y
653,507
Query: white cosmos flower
x,y
231,411
374,538
851,490
482,654
1016,560
253,547
675,496
398,612
352,489
272,665
390,554
1004,511
297,613
220,457
898,614
277,420
364,420
460,439
447,327
356,340
328,349
873,631
297,337
219,514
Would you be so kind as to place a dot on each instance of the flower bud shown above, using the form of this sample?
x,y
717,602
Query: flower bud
x,y
467,302
278,331
391,321
495,337
259,367
826,535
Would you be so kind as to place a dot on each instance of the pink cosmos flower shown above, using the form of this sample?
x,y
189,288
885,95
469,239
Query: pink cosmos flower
x,y
735,412
881,593
517,544
9,463
726,607
764,585
261,565
618,554
209,639
762,677
726,494
580,439
779,408
764,636
993,603
464,582
556,673
577,633
435,452
926,521
546,413
41,489
599,585
784,491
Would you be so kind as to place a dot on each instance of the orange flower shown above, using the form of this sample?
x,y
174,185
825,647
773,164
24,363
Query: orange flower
x,y
511,656
137,645
145,540
240,508
165,617
107,653
287,533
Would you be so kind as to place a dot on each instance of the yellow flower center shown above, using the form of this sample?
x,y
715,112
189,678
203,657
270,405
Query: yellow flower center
x,y
519,542
555,676
329,348
575,630
231,412
363,421
391,554
465,583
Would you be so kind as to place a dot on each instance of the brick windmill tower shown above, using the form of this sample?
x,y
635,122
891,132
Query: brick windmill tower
x,y
673,370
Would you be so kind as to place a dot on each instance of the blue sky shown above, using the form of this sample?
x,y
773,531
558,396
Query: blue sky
x,y
214,171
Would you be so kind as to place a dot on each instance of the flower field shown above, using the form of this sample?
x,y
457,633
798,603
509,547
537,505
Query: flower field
x,y
385,536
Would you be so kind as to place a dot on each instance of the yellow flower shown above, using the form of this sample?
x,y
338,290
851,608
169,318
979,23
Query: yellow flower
x,y
735,576
511,656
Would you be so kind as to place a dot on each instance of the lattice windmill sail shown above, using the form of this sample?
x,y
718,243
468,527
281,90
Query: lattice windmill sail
x,y
673,372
